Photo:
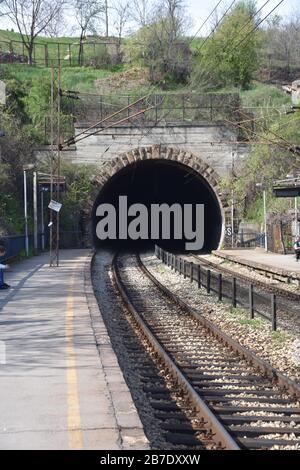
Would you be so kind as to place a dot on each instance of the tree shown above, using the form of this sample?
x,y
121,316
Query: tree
x,y
163,44
227,59
121,9
32,17
282,40
106,17
141,11
87,14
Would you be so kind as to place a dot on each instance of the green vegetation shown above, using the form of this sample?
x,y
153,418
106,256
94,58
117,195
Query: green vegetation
x,y
73,78
227,60
63,50
254,323
260,95
279,337
23,122
159,58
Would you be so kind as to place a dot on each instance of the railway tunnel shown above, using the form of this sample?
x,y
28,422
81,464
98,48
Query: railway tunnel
x,y
159,180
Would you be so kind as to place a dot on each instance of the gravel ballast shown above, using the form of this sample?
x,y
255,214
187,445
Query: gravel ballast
x,y
281,348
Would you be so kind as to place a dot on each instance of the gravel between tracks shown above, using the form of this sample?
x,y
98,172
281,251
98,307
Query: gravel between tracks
x,y
252,273
281,349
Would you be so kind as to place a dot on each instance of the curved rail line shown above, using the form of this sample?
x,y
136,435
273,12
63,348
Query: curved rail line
x,y
243,401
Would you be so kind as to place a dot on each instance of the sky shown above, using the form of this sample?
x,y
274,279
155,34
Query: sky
x,y
200,9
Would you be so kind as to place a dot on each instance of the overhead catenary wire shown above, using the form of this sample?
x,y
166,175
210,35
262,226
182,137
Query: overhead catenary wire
x,y
72,140
218,23
252,17
289,144
205,21
257,25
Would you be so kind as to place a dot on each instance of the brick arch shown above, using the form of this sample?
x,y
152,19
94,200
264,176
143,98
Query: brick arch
x,y
108,169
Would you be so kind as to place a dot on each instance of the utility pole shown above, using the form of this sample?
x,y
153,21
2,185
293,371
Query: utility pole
x,y
25,213
232,218
263,187
265,219
106,19
42,220
51,161
35,216
55,168
296,217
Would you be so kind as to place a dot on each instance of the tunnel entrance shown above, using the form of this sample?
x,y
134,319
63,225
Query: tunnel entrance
x,y
158,181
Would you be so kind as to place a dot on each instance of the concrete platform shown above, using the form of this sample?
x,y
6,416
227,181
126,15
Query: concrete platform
x,y
283,265
60,383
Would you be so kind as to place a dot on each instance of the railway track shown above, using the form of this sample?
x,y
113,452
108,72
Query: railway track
x,y
287,303
166,424
242,401
274,289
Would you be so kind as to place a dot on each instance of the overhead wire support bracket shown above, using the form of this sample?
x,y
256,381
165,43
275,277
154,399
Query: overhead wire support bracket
x,y
84,134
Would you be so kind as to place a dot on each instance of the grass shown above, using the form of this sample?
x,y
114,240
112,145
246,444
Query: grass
x,y
73,78
279,337
161,269
236,312
264,95
255,323
66,51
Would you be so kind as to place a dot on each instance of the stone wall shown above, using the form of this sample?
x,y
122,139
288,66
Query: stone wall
x,y
213,143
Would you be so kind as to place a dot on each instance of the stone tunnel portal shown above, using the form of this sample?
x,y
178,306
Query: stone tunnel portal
x,y
158,181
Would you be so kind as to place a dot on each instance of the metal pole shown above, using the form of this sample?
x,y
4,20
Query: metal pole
x,y
220,293
234,292
274,312
251,301
35,217
296,217
25,214
265,219
42,220
199,276
51,161
58,165
232,219
208,281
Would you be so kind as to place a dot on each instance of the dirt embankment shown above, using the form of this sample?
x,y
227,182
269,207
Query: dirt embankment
x,y
126,81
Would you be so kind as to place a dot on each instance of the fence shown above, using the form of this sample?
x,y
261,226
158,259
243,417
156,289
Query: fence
x,y
15,245
250,240
167,107
66,54
236,291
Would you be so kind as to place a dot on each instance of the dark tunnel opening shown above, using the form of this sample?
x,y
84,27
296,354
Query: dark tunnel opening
x,y
157,182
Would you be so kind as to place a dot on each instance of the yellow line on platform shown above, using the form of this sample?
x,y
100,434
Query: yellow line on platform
x,y
74,423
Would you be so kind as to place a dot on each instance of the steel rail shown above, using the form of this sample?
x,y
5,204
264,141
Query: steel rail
x,y
221,435
248,279
282,381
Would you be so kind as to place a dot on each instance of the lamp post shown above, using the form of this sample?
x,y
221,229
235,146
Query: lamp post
x,y
263,187
42,219
292,177
25,169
